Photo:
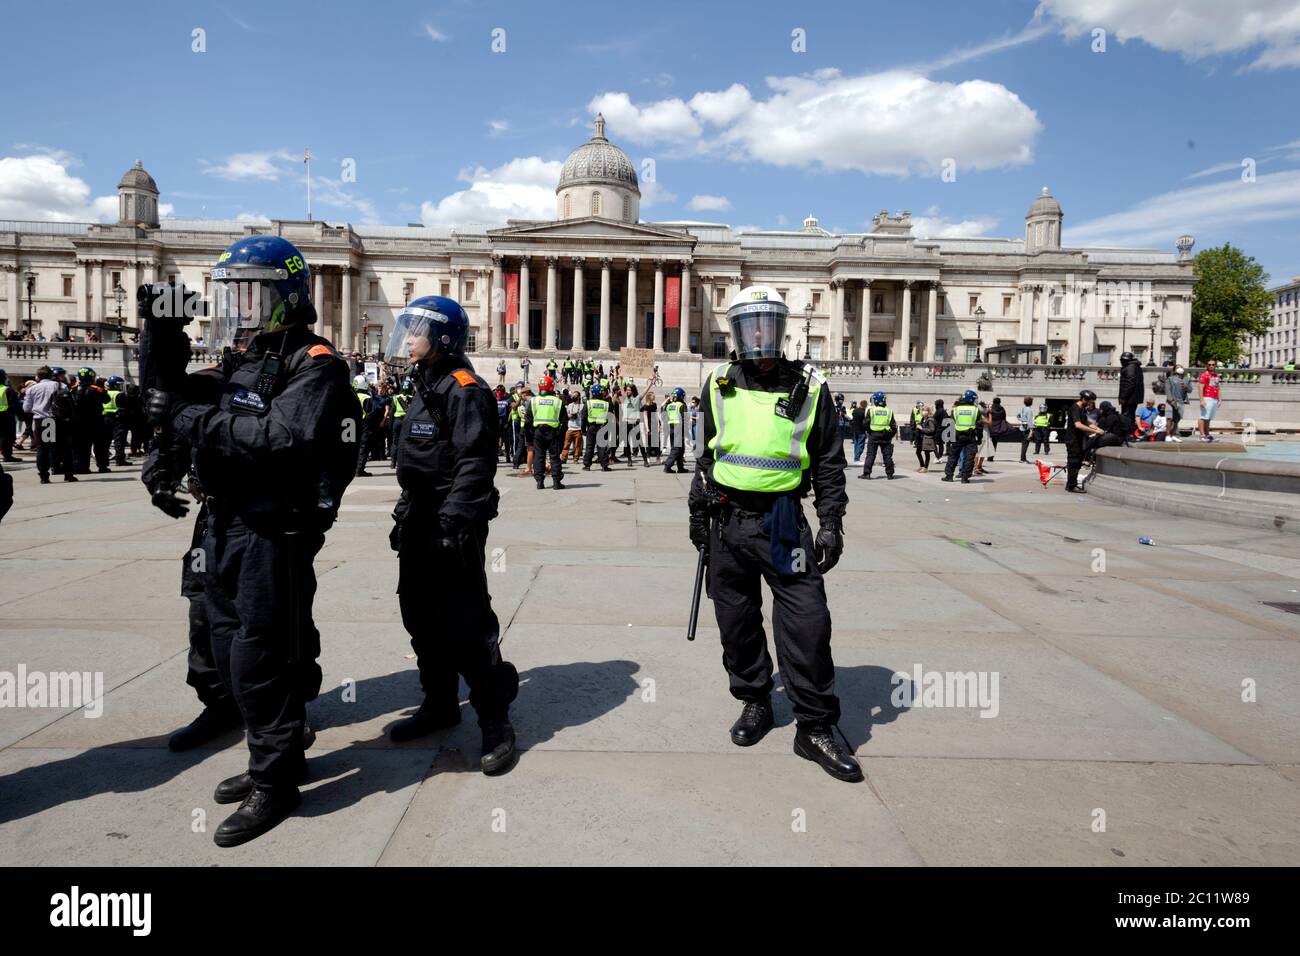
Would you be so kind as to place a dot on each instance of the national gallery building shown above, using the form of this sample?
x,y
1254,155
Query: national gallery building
x,y
596,278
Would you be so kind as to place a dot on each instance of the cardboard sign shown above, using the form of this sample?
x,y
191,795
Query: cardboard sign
x,y
636,363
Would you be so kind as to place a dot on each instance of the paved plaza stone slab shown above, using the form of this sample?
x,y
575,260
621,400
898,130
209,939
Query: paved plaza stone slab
x,y
1117,689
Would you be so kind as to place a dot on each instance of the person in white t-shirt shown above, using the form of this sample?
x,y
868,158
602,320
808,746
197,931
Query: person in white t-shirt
x,y
1159,424
573,431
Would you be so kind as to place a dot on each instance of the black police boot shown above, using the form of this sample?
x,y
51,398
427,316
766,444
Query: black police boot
x,y
428,719
71,478
103,471
866,475
889,477
499,753
541,485
754,722
819,745
965,481
586,467
237,788
557,484
946,478
606,468
363,474
211,723
261,810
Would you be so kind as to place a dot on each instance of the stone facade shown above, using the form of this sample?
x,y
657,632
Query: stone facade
x,y
1278,347
594,282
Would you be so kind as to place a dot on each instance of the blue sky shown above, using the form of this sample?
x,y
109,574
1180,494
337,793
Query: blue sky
x,y
1140,142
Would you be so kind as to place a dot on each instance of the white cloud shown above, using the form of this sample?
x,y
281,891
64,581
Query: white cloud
x,y
652,193
934,226
1200,210
523,188
267,165
39,187
892,123
251,217
1195,29
497,126
437,36
665,120
331,194
1215,170
703,202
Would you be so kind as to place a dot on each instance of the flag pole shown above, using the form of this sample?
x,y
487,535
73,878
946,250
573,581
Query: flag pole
x,y
306,158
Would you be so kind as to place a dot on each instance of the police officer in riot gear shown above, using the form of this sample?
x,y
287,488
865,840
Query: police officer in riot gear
x,y
446,471
770,435
115,421
596,429
675,422
273,430
966,434
881,429
401,401
546,416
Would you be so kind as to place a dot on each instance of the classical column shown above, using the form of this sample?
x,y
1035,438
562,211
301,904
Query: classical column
x,y
347,327
12,297
579,341
864,337
631,340
150,271
706,315
835,332
905,353
80,286
1073,347
552,303
604,305
497,338
659,306
1044,331
97,288
684,322
1026,313
524,338
318,297
484,290
931,323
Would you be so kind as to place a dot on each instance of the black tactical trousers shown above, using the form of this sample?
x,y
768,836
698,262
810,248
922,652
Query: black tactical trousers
x,y
365,438
256,583
103,438
886,449
964,451
740,560
120,424
202,673
594,445
1073,460
547,442
458,637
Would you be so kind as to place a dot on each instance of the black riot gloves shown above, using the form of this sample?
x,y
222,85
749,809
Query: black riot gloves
x,y
829,544
157,407
169,503
699,525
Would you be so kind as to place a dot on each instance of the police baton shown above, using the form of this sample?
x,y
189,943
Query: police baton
x,y
700,565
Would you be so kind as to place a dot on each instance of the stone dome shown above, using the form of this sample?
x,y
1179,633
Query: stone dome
x,y
137,178
599,161
1044,205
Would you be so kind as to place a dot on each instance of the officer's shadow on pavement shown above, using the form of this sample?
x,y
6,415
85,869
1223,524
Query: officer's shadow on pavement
x,y
869,696
551,699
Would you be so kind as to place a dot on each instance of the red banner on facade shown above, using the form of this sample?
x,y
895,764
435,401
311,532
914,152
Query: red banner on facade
x,y
512,298
672,301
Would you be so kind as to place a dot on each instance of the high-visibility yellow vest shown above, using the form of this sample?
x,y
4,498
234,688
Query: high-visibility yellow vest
x,y
1042,420
4,398
754,449
918,414
399,405
965,417
546,410
363,398
110,407
597,411
673,412
881,419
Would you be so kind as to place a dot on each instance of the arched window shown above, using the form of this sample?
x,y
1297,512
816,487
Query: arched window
x,y
627,208
566,206
595,202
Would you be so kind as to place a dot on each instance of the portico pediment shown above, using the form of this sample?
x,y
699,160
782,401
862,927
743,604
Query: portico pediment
x,y
590,227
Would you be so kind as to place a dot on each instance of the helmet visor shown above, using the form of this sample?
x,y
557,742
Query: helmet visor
x,y
757,330
416,334
242,309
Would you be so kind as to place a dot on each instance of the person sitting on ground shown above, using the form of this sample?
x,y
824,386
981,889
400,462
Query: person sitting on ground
x,y
1159,424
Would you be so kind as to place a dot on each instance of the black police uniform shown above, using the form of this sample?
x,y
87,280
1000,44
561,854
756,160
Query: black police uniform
x,y
962,447
676,460
740,559
881,441
446,471
1075,440
272,437
88,423
598,437
547,441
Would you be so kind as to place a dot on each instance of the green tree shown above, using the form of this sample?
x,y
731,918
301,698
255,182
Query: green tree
x,y
1231,301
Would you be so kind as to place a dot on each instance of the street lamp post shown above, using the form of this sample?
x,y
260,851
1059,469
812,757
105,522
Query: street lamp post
x,y
979,333
119,295
1151,355
1175,335
30,276
807,331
